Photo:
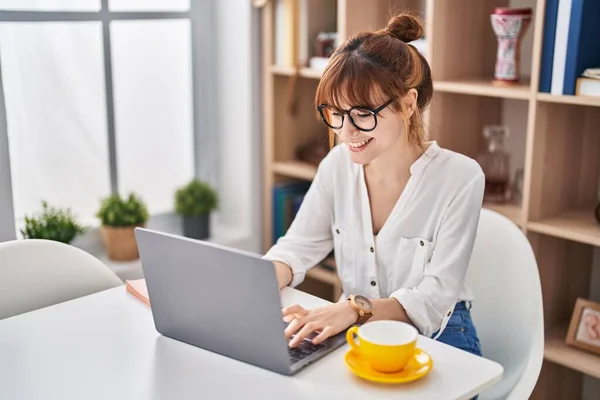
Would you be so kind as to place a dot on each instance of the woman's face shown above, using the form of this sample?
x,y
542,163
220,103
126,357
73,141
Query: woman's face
x,y
388,134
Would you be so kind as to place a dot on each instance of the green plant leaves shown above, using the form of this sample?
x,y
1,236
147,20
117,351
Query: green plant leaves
x,y
117,211
52,223
195,199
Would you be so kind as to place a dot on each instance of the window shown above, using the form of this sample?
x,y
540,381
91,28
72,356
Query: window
x,y
50,5
99,100
149,5
56,114
153,97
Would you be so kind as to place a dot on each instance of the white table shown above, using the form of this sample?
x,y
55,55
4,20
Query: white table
x,y
105,346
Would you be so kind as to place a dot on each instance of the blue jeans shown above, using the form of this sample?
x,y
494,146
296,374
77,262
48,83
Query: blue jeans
x,y
460,331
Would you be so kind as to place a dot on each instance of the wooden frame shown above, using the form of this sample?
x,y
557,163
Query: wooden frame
x,y
584,313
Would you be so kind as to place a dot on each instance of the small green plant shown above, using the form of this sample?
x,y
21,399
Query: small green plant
x,y
195,199
117,211
52,223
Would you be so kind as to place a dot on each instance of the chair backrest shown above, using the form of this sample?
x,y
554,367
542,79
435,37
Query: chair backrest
x,y
507,310
38,273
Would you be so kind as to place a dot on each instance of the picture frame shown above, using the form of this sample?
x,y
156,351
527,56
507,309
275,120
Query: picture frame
x,y
584,328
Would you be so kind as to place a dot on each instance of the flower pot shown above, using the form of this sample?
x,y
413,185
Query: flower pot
x,y
197,227
120,243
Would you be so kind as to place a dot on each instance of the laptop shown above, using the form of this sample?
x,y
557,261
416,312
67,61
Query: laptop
x,y
223,300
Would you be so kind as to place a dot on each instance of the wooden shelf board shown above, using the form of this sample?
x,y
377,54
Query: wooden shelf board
x,y
295,169
290,71
513,212
483,87
566,99
558,352
323,275
579,226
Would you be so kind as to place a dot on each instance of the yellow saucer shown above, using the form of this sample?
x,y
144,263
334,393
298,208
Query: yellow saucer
x,y
417,367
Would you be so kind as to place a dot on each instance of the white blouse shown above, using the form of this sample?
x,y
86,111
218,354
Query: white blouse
x,y
420,255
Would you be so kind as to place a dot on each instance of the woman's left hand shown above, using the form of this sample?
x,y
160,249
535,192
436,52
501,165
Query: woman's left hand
x,y
327,320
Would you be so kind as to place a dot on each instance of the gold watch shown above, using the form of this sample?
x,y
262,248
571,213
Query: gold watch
x,y
363,307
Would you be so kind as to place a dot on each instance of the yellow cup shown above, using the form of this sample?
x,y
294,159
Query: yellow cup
x,y
386,345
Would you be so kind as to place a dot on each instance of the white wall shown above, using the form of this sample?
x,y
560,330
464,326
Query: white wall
x,y
239,137
7,224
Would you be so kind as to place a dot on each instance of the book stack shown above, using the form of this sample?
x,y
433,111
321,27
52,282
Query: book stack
x,y
287,198
570,44
588,84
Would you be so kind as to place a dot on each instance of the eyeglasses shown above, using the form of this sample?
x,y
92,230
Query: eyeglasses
x,y
363,118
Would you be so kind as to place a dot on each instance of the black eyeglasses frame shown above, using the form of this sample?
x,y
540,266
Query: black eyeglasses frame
x,y
372,111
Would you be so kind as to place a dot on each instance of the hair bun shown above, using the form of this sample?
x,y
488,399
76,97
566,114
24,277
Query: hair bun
x,y
405,27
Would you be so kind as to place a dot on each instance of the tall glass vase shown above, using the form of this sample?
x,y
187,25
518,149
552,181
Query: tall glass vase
x,y
495,162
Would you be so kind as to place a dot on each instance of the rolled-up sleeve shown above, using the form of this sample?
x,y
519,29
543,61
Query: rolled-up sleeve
x,y
428,302
309,239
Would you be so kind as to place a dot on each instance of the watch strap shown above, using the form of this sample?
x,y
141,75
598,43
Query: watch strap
x,y
363,318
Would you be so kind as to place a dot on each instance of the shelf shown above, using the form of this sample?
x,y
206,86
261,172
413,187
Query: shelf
x,y
579,226
566,99
290,71
295,169
558,352
483,87
510,211
324,275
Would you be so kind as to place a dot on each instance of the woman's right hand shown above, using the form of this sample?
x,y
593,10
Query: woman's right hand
x,y
283,272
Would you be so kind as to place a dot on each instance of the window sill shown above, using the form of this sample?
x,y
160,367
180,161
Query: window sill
x,y
222,234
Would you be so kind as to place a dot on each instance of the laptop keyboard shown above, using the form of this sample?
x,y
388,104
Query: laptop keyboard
x,y
303,350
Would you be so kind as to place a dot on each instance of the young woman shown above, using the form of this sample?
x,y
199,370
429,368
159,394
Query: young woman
x,y
400,213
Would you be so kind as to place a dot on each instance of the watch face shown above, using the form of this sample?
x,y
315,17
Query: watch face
x,y
363,302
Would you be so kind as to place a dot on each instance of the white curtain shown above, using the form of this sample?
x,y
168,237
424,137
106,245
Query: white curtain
x,y
152,76
55,103
51,5
149,5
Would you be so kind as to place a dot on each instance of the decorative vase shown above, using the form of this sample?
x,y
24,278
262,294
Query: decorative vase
x,y
495,163
197,227
510,25
120,243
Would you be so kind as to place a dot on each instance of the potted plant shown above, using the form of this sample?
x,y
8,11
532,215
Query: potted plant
x,y
194,202
119,217
52,223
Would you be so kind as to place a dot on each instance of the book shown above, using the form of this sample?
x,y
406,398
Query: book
x,y
583,49
284,206
286,35
587,87
560,46
137,287
550,19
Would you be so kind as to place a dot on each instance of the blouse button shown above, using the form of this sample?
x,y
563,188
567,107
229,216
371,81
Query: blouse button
x,y
373,283
422,244
337,231
372,250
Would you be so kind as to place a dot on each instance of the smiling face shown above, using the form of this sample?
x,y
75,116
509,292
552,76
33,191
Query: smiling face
x,y
368,70
383,128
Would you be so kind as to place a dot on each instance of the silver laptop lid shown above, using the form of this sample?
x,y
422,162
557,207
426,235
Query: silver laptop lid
x,y
217,298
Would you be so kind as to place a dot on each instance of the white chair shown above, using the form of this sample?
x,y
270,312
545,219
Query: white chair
x,y
507,310
39,273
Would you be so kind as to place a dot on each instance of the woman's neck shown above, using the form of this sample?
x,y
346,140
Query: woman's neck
x,y
393,165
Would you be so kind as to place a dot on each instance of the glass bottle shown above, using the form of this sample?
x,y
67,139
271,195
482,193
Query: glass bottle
x,y
517,189
495,162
